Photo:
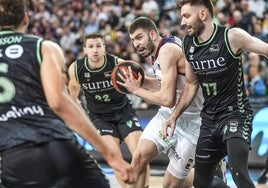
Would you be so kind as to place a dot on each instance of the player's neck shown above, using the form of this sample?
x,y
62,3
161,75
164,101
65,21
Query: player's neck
x,y
206,34
95,64
157,43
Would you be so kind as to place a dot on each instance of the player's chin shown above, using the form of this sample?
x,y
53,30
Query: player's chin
x,y
143,53
190,32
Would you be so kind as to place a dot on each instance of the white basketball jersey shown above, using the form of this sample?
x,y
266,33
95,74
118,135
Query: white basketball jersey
x,y
190,120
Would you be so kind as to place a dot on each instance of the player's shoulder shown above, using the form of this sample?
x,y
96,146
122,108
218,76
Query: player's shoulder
x,y
170,47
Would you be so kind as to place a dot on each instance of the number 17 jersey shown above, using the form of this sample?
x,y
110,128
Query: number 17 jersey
x,y
219,72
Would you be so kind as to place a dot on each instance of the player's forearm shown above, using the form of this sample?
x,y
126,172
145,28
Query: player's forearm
x,y
150,83
187,96
161,98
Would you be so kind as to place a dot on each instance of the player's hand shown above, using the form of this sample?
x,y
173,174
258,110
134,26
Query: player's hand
x,y
125,170
168,127
129,81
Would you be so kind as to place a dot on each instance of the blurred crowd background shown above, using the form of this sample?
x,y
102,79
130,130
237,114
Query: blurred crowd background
x,y
67,21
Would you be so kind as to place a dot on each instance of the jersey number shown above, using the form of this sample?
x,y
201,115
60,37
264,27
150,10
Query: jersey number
x,y
104,98
210,88
7,90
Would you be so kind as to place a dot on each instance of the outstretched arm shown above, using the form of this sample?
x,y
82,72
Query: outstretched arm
x,y
240,40
189,91
74,116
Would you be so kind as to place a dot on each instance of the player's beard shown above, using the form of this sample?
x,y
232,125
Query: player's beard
x,y
150,47
199,27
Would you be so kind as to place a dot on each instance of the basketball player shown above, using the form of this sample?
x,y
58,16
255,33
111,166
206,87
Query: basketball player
x,y
110,111
163,90
37,145
213,56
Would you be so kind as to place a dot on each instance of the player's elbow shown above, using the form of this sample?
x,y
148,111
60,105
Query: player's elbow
x,y
56,103
169,103
56,106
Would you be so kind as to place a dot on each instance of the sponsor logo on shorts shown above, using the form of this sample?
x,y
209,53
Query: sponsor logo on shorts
x,y
175,154
233,126
129,123
189,163
136,122
167,141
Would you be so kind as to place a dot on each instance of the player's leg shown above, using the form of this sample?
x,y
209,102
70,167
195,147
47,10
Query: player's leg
x,y
237,150
60,163
143,155
132,140
237,136
114,144
204,174
149,146
181,157
218,180
130,131
208,154
188,183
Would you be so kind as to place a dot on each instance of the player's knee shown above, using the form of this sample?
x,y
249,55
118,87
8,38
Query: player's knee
x,y
139,161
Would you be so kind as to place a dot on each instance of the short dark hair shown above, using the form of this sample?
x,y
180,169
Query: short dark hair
x,y
207,3
142,22
93,36
11,12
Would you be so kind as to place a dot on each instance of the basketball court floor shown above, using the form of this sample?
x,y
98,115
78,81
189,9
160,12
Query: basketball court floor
x,y
157,173
158,167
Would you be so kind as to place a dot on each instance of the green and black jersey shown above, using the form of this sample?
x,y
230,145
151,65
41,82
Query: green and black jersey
x,y
25,117
101,97
219,72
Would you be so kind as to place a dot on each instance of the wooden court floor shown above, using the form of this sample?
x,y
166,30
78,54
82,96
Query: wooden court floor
x,y
156,182
156,178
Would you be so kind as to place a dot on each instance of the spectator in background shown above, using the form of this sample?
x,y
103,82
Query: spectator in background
x,y
42,12
92,26
248,17
256,85
148,6
221,19
104,27
258,32
237,20
255,59
257,6
68,40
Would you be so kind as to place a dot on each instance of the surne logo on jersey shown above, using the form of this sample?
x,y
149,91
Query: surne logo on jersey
x,y
208,63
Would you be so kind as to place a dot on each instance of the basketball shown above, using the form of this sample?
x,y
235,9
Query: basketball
x,y
121,68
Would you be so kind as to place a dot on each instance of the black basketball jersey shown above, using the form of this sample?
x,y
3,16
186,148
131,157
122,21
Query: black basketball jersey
x,y
101,97
25,116
219,72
